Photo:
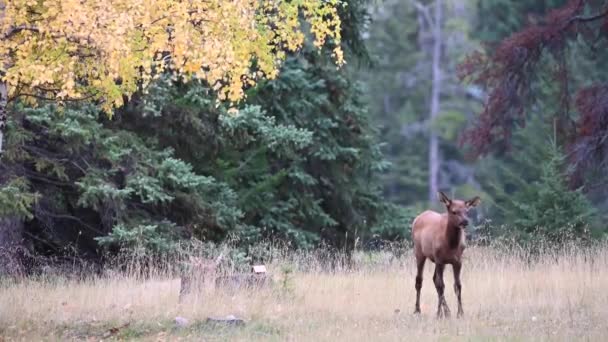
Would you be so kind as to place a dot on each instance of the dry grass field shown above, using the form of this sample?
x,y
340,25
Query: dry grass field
x,y
563,298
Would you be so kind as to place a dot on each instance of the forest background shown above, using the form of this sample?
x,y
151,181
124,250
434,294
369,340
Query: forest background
x,y
502,99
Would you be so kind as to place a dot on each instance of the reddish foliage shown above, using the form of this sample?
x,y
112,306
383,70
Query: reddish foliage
x,y
592,104
591,141
507,74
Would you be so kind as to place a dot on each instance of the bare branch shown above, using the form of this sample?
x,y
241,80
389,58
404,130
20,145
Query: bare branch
x,y
583,19
14,30
424,10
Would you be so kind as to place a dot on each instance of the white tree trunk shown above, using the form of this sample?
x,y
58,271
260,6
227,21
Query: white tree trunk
x,y
434,161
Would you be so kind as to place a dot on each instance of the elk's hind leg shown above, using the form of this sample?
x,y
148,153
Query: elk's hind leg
x,y
420,260
442,306
457,287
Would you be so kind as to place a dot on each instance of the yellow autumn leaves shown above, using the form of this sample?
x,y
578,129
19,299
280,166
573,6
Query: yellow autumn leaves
x,y
107,49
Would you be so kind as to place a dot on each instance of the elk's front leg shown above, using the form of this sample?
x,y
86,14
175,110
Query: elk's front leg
x,y
442,306
458,287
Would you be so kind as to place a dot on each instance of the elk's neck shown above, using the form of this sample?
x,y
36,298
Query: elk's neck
x,y
453,235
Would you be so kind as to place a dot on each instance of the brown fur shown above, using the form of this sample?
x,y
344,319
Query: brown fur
x,y
441,238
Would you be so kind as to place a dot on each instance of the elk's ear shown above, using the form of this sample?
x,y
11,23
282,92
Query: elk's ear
x,y
473,202
444,199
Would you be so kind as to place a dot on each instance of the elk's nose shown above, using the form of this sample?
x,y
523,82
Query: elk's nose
x,y
465,222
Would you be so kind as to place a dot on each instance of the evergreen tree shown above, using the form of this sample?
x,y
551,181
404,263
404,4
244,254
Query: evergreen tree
x,y
531,194
92,182
547,207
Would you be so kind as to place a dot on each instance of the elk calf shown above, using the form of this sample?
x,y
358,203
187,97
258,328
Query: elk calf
x,y
441,238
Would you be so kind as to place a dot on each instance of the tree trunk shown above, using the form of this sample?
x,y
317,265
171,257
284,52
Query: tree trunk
x,y
11,246
11,227
3,91
435,102
11,232
3,112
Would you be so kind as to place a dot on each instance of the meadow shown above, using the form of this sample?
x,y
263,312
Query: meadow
x,y
507,296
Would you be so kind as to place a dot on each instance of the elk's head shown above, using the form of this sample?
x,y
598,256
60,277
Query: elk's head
x,y
458,209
